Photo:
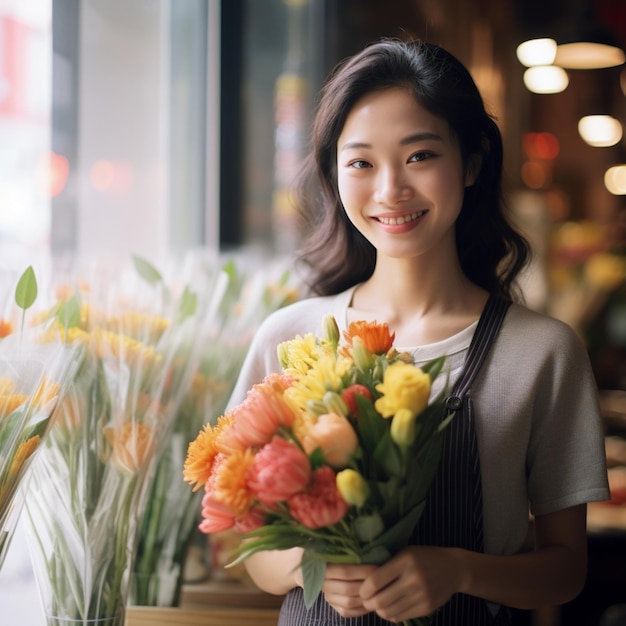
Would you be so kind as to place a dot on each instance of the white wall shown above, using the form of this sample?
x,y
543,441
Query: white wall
x,y
123,101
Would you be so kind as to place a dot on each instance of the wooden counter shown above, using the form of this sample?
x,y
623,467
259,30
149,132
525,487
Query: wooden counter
x,y
207,616
215,603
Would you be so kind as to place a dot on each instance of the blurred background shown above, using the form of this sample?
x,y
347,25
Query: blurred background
x,y
155,127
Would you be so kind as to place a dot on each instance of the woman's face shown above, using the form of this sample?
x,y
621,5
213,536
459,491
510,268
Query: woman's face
x,y
400,175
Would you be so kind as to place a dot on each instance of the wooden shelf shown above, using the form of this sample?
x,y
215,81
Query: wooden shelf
x,y
207,616
228,593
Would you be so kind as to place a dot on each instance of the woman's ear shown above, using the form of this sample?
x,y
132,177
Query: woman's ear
x,y
474,164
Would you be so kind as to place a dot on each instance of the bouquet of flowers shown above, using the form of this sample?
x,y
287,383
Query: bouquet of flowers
x,y
33,380
335,454
93,473
242,298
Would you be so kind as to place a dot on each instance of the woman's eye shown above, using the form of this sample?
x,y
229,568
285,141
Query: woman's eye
x,y
420,156
359,165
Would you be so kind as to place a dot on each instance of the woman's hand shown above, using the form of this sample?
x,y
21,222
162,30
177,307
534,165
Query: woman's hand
x,y
414,583
342,586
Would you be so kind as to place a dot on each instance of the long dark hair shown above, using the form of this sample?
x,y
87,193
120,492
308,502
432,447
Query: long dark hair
x,y
337,256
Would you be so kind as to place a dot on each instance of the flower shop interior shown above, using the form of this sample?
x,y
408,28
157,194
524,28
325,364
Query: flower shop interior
x,y
161,139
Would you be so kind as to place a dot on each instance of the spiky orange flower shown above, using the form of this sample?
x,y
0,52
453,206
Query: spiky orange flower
x,y
375,337
200,456
231,486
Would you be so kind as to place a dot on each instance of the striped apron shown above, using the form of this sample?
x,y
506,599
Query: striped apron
x,y
453,515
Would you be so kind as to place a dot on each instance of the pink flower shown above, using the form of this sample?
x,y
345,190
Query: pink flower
x,y
216,516
259,416
279,470
253,520
334,436
321,505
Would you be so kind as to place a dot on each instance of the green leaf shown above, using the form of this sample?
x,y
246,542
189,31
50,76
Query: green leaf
x,y
313,572
388,456
147,271
68,312
372,426
434,367
26,290
188,303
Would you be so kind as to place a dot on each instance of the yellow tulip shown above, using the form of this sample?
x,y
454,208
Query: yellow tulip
x,y
352,487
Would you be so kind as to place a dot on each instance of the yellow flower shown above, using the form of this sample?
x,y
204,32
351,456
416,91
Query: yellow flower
x,y
11,401
298,355
132,445
108,343
404,386
201,453
325,375
141,326
352,487
403,428
23,452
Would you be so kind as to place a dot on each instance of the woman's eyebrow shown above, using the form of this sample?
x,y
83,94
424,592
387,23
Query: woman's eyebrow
x,y
414,138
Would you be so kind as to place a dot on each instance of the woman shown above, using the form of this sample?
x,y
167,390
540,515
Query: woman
x,y
406,225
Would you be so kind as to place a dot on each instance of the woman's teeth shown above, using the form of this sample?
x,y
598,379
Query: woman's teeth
x,y
401,219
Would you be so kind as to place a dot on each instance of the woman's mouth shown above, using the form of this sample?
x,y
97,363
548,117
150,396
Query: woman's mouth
x,y
401,219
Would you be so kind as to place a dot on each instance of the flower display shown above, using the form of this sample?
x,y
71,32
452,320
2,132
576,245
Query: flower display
x,y
33,381
93,473
334,454
243,295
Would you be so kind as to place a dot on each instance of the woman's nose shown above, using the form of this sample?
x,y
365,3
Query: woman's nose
x,y
391,187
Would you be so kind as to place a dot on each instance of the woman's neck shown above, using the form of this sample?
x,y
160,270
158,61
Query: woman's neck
x,y
420,307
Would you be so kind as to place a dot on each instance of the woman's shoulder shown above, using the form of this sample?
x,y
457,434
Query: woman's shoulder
x,y
539,330
304,316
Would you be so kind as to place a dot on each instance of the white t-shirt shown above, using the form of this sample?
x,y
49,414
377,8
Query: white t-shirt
x,y
538,425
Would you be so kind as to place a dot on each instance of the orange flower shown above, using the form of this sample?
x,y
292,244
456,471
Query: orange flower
x,y
24,450
375,337
132,445
11,401
230,486
6,328
334,436
200,456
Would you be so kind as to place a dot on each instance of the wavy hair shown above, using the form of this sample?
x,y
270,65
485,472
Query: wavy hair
x,y
337,256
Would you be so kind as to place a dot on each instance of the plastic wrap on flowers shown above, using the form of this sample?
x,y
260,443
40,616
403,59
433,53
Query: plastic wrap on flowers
x,y
33,379
91,479
243,297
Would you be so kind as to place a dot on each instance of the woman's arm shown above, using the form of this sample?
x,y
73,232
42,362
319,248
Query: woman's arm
x,y
422,578
275,571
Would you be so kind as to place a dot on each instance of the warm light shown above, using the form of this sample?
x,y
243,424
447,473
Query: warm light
x,y
615,180
600,131
537,52
586,55
546,79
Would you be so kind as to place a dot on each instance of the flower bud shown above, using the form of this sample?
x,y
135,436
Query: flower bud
x,y
316,408
352,487
403,428
363,358
335,404
282,352
330,330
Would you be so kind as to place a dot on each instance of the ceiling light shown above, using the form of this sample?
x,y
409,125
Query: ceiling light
x,y
600,131
537,52
584,43
546,79
615,180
